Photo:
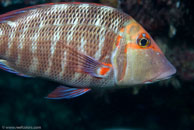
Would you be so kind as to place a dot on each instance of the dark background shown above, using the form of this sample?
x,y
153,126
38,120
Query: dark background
x,y
165,105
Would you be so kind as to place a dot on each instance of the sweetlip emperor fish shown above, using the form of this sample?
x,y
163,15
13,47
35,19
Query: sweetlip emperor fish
x,y
79,45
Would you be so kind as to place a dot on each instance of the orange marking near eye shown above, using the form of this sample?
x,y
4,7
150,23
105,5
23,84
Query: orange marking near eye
x,y
128,27
146,36
135,46
132,46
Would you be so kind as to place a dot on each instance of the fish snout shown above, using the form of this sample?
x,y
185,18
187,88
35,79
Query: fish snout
x,y
167,70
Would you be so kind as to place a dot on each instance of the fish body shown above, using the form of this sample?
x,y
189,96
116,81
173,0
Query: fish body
x,y
81,46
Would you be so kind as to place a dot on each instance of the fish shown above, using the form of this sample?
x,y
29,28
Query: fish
x,y
81,46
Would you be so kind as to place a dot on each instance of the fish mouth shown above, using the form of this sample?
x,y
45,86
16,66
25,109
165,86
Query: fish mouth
x,y
167,74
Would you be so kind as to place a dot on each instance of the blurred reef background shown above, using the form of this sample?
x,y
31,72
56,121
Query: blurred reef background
x,y
165,105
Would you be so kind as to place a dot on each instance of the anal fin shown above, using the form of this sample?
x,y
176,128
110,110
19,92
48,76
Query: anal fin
x,y
63,92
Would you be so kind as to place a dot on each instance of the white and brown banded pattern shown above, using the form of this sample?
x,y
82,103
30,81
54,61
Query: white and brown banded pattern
x,y
36,41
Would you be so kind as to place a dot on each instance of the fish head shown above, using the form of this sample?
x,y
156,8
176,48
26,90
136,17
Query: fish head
x,y
139,60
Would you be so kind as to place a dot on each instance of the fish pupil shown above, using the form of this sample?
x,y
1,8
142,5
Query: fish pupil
x,y
143,42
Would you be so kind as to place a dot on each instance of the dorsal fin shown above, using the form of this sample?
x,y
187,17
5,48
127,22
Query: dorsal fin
x,y
13,15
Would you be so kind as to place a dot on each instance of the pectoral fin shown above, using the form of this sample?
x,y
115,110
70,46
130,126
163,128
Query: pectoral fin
x,y
83,63
63,92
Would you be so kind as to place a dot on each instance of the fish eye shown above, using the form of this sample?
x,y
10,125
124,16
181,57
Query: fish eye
x,y
143,41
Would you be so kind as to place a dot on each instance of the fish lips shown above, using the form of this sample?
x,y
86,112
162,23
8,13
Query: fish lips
x,y
167,74
166,71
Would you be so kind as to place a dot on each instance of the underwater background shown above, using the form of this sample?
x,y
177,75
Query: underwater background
x,y
164,105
